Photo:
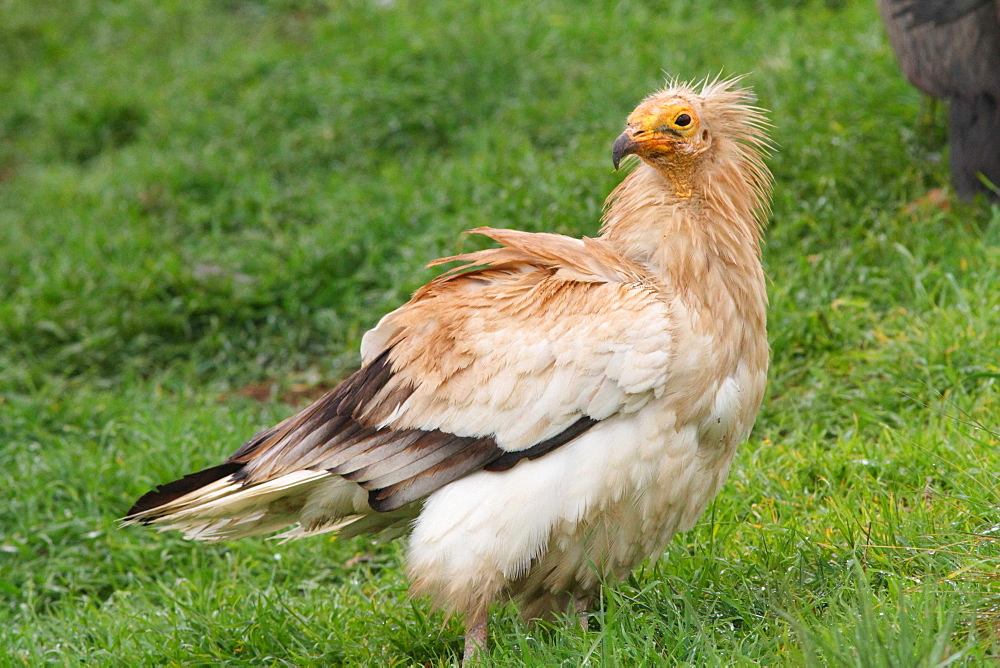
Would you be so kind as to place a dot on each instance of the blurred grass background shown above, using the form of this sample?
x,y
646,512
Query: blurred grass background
x,y
203,205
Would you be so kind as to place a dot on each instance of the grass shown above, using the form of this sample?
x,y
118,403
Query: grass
x,y
203,205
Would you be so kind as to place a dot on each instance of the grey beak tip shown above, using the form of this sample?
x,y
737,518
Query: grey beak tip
x,y
622,147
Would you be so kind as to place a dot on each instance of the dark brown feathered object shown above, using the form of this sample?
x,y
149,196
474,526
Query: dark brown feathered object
x,y
950,49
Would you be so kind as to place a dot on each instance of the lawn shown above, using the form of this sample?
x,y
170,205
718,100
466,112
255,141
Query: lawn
x,y
204,205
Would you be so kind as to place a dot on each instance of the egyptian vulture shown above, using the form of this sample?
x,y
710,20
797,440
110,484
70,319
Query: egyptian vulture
x,y
550,413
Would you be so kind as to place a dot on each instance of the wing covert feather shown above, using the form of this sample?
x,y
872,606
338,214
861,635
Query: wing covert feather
x,y
525,368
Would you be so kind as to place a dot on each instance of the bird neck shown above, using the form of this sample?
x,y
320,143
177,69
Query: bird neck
x,y
700,235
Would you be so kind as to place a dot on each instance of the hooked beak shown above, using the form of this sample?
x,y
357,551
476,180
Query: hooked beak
x,y
622,147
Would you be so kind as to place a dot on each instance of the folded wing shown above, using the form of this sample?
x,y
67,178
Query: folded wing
x,y
505,359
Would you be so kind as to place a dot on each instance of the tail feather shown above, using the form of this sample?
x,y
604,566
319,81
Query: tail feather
x,y
213,505
168,493
384,527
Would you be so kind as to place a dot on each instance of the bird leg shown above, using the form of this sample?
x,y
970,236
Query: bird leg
x,y
475,637
581,604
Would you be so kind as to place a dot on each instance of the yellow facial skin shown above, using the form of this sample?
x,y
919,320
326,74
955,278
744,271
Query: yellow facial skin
x,y
662,125
666,133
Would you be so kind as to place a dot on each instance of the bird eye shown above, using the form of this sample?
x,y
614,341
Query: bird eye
x,y
682,121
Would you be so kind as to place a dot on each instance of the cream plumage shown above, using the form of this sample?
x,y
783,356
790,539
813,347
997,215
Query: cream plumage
x,y
549,414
